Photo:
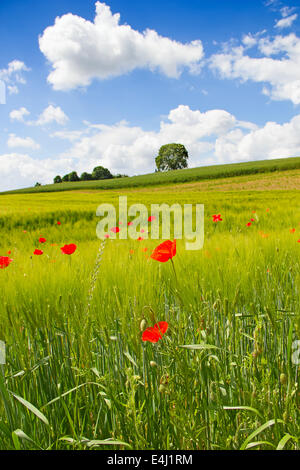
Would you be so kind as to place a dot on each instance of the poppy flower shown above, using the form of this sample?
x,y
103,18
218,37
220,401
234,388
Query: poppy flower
x,y
106,235
9,252
155,333
252,220
152,217
38,252
42,240
142,231
164,251
58,222
131,252
145,249
115,230
4,261
140,239
292,230
69,249
217,218
298,241
248,224
130,223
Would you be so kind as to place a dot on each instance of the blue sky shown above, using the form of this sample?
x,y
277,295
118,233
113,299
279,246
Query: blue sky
x,y
90,88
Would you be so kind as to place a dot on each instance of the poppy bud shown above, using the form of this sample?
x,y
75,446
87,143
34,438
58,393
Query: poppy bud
x,y
153,364
143,324
283,379
162,388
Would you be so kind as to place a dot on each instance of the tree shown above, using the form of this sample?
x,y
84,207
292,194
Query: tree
x,y
172,157
65,178
101,173
37,185
86,176
73,176
57,179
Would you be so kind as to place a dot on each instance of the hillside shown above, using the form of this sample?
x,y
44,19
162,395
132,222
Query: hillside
x,y
174,177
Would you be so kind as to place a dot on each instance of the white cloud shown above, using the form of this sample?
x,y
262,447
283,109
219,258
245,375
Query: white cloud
x,y
13,75
286,22
22,142
49,115
20,170
281,73
211,137
18,114
80,50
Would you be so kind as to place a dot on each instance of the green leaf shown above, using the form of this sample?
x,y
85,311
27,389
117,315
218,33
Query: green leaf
x,y
259,430
284,440
31,408
242,407
200,346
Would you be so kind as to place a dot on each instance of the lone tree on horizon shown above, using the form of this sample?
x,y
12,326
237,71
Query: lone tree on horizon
x,y
172,157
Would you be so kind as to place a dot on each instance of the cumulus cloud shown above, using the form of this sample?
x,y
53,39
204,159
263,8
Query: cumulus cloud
x,y
20,170
13,75
80,50
49,115
18,114
279,74
286,22
22,142
211,137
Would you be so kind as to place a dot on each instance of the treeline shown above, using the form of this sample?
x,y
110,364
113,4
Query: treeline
x,y
99,173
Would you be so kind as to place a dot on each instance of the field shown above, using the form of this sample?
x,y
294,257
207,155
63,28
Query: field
x,y
225,375
207,173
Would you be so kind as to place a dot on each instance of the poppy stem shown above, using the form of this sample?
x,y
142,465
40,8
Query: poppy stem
x,y
173,266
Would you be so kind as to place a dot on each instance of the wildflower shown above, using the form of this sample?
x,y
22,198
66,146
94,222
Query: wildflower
x,y
58,222
248,224
164,251
106,235
38,252
42,240
140,239
292,230
130,223
4,262
152,217
115,230
217,218
252,220
155,333
69,249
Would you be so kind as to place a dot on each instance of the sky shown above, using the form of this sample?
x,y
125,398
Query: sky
x,y
86,83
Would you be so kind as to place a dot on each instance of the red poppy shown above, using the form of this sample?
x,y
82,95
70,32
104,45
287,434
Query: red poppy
x,y
69,249
164,251
38,252
152,217
292,230
217,218
106,235
298,241
142,231
115,230
248,224
252,220
9,252
130,223
42,240
140,239
155,333
58,222
4,261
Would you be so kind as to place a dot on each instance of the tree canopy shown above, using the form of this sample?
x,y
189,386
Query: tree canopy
x,y
171,157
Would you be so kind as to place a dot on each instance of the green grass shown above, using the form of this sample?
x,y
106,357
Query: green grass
x,y
72,328
174,177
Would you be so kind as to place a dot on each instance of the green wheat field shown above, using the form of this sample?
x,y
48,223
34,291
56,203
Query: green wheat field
x,y
224,376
